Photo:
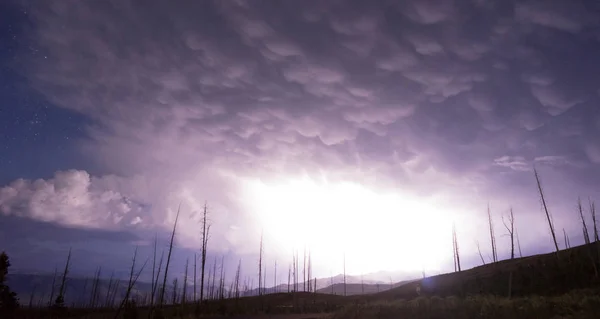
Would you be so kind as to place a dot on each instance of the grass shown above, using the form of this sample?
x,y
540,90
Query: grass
x,y
581,304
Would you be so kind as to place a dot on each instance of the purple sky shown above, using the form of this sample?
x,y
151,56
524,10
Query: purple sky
x,y
384,119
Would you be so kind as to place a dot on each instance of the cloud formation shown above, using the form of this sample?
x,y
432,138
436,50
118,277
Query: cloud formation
x,y
438,98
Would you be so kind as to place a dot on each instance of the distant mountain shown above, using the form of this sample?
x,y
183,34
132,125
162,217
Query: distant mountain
x,y
36,288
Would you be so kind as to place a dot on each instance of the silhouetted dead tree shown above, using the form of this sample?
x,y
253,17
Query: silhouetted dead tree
x,y
164,285
479,251
586,235
53,287
566,237
309,272
175,290
214,276
222,279
60,300
185,280
237,279
492,235
155,278
205,236
275,277
456,251
195,268
260,255
548,216
289,277
519,243
304,270
345,293
133,277
510,227
593,213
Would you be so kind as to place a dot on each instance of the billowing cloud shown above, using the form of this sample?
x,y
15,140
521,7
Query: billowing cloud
x,y
449,101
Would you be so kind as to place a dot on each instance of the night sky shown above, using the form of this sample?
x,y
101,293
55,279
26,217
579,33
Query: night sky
x,y
364,128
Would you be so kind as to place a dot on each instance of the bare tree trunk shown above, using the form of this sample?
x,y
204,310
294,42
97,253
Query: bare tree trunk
x,y
304,270
566,238
53,287
205,236
345,274
132,280
492,235
519,244
593,213
510,227
108,291
456,252
362,284
275,277
237,279
95,285
222,279
195,268
214,275
155,276
175,290
550,225
586,235
260,254
185,280
60,300
164,285
479,251
289,278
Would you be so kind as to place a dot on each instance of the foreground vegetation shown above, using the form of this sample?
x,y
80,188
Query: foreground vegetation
x,y
581,304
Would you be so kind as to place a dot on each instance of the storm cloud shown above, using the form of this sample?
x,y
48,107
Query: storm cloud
x,y
451,100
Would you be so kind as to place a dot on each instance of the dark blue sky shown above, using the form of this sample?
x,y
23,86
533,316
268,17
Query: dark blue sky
x,y
37,137
290,113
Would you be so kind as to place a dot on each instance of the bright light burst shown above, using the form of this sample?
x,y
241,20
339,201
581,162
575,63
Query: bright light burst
x,y
376,230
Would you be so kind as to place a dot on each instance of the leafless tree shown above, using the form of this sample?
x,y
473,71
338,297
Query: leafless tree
x,y
479,251
213,276
510,227
345,274
275,277
175,290
185,281
237,279
195,268
304,270
109,290
61,292
133,277
518,243
492,235
289,277
95,287
567,244
593,213
53,287
205,236
586,235
260,255
548,216
456,251
222,279
164,285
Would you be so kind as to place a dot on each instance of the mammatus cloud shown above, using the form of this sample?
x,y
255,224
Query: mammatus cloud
x,y
424,97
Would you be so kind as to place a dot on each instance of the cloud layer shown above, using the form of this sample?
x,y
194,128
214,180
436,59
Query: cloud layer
x,y
449,99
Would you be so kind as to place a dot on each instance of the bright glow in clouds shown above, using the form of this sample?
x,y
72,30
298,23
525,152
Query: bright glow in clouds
x,y
376,230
